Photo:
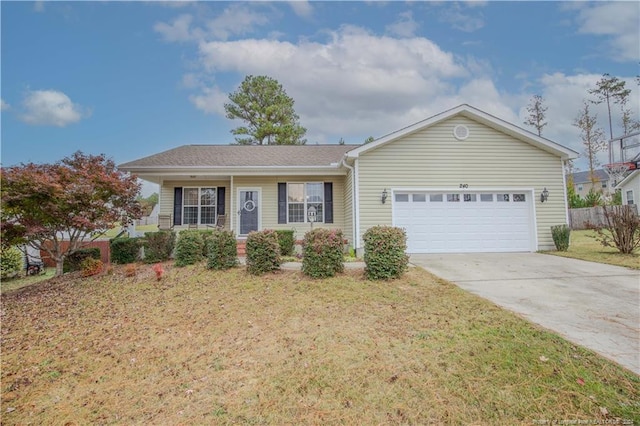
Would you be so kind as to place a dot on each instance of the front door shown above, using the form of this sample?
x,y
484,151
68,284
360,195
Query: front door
x,y
249,202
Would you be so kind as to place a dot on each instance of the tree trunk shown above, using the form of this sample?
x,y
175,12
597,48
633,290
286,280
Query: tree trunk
x,y
59,266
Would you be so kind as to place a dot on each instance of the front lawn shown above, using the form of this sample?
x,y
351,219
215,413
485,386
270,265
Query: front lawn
x,y
583,246
112,233
22,280
201,347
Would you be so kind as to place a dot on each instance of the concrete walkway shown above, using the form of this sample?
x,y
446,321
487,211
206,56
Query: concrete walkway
x,y
591,304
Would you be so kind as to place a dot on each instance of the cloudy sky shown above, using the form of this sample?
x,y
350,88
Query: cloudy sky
x,y
131,79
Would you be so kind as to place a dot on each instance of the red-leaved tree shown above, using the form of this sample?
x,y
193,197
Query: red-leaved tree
x,y
73,200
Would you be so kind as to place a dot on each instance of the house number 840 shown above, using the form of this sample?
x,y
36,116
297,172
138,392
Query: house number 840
x,y
464,185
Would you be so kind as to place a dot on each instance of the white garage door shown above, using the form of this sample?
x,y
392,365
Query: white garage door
x,y
441,222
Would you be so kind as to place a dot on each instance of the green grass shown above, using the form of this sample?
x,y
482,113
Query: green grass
x,y
584,246
21,280
112,233
203,347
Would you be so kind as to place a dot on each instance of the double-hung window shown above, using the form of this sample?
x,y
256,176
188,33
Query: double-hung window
x,y
199,206
301,197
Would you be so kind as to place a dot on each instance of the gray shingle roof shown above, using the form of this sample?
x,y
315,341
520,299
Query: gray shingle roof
x,y
583,177
243,156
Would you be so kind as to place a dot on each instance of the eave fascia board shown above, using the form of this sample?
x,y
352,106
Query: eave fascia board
x,y
627,179
237,171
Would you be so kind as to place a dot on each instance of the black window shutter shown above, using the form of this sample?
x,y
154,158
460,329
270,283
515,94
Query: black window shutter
x,y
220,200
328,202
282,202
177,205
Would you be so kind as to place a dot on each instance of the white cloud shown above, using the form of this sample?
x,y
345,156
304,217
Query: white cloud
x,y
4,106
211,100
50,108
462,19
178,30
302,8
405,26
237,19
38,6
618,20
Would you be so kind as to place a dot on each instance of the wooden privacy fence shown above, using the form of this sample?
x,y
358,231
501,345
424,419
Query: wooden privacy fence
x,y
580,218
103,245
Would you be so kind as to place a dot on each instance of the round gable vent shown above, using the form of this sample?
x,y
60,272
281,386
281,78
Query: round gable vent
x,y
461,132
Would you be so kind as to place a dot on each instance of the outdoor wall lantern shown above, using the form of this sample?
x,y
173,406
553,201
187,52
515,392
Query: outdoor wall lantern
x,y
384,195
544,195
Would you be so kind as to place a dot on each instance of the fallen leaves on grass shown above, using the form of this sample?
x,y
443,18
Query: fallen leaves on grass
x,y
205,347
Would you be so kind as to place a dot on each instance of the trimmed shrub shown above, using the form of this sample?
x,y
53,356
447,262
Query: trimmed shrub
x,y
73,262
131,270
90,266
189,248
384,252
158,246
206,237
125,250
11,262
222,250
286,241
322,253
263,252
561,235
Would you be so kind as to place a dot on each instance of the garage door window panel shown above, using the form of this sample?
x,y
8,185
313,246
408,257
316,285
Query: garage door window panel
x,y
464,222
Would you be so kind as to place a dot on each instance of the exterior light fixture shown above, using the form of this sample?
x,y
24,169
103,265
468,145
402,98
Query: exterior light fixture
x,y
544,195
384,195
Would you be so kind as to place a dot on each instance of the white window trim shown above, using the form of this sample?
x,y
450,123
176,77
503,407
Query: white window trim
x,y
199,206
633,200
306,218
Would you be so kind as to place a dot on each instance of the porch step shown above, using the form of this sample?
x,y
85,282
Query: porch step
x,y
242,248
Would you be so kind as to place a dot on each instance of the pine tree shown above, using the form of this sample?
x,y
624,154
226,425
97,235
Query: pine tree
x,y
263,104
536,110
610,90
592,138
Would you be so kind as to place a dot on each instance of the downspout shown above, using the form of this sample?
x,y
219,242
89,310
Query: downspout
x,y
564,191
231,210
354,210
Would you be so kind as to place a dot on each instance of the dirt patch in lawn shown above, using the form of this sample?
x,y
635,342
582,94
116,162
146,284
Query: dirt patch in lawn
x,y
202,347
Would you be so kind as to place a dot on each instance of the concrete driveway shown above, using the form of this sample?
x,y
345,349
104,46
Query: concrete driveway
x,y
591,304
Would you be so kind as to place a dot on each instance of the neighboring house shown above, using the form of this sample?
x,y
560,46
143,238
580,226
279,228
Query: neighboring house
x,y
630,188
583,184
460,181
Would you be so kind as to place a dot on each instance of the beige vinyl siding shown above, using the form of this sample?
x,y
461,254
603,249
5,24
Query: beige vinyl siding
x,y
167,193
433,158
633,184
268,186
